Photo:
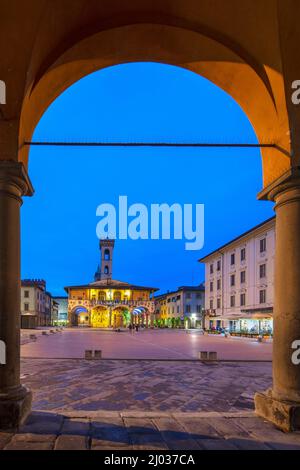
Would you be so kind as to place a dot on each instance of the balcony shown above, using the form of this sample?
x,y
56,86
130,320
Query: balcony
x,y
129,303
210,312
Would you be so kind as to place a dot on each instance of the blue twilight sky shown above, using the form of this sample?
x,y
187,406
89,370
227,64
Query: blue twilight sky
x,y
137,102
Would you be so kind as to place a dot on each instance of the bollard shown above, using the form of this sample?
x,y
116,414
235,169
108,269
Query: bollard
x,y
88,354
203,355
97,354
212,356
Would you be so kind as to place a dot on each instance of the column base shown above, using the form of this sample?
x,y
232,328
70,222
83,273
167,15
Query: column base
x,y
284,414
14,408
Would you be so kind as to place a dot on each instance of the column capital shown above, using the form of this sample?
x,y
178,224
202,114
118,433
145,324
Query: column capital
x,y
289,181
14,179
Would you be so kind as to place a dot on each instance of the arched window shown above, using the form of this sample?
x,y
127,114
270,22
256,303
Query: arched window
x,y
107,254
101,296
106,270
117,295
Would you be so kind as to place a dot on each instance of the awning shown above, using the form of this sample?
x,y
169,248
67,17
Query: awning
x,y
253,316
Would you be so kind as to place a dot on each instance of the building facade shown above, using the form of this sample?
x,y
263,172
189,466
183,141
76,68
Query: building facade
x,y
109,303
239,282
62,314
183,307
36,304
54,311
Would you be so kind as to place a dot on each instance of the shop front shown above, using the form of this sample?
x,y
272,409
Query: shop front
x,y
252,324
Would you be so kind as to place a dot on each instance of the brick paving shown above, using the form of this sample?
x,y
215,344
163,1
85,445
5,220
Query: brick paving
x,y
141,385
151,405
114,404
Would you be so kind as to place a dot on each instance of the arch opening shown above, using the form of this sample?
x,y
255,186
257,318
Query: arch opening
x,y
257,88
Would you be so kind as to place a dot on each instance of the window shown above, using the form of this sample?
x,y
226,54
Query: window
x,y
177,308
188,309
232,259
117,295
219,265
262,271
243,254
243,299
106,271
101,296
188,295
198,296
211,304
26,294
232,280
262,296
232,301
262,245
218,284
211,269
218,303
106,255
243,277
26,307
211,286
199,308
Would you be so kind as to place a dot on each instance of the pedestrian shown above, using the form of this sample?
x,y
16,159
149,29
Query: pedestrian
x,y
130,328
137,327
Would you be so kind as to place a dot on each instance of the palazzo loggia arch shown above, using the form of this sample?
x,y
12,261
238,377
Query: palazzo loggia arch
x,y
249,48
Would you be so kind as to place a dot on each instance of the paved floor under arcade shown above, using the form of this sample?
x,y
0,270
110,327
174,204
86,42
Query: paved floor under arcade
x,y
148,405
128,403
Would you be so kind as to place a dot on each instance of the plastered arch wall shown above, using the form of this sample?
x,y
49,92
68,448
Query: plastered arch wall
x,y
258,90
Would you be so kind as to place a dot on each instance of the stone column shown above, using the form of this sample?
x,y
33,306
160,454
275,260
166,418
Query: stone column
x,y
15,400
281,405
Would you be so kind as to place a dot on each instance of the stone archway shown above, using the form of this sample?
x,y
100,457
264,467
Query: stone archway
x,y
120,316
225,42
198,51
79,316
100,317
141,315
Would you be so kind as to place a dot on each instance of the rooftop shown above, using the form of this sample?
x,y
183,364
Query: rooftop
x,y
248,232
111,284
198,288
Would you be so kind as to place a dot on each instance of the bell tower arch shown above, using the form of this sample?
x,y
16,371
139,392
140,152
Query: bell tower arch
x,y
107,249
